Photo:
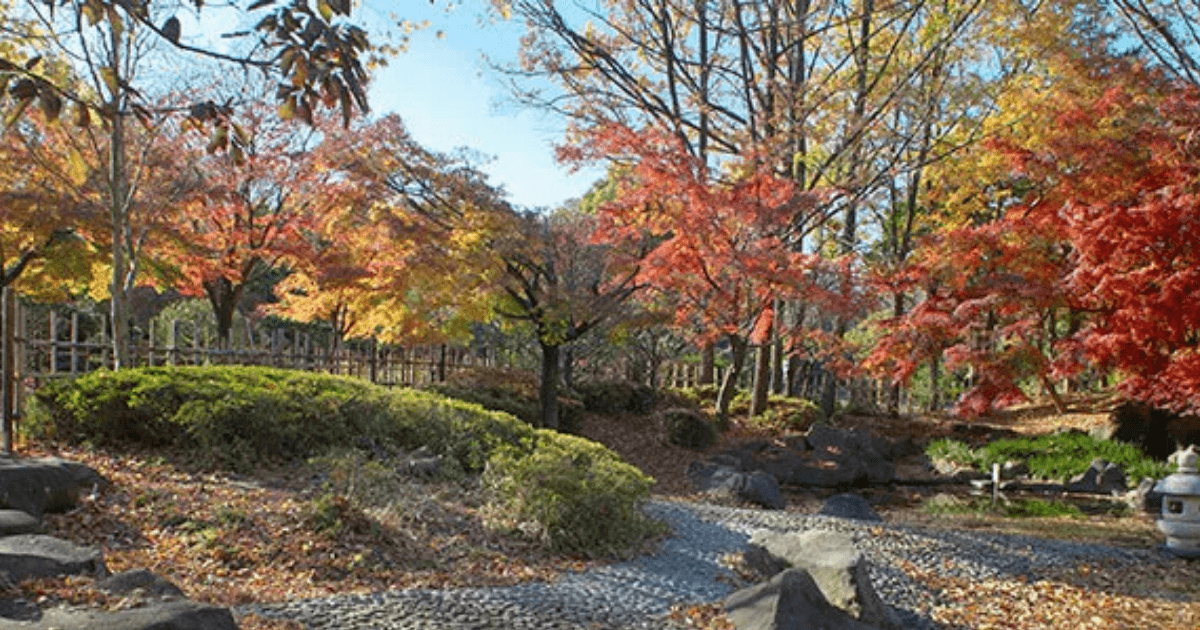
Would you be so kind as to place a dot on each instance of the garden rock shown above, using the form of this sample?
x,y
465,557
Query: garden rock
x,y
826,457
37,486
422,463
140,582
837,567
174,615
789,601
35,555
849,505
725,482
1101,477
1146,498
14,522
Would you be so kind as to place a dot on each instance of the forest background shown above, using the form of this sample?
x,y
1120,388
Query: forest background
x,y
973,202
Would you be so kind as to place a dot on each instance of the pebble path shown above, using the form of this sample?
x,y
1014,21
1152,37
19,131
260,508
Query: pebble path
x,y
688,569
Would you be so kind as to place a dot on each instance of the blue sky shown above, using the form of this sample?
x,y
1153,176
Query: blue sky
x,y
447,95
448,98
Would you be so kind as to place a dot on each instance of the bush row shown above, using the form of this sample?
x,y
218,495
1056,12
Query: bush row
x,y
578,495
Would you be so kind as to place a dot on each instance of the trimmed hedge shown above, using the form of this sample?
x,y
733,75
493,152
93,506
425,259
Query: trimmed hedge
x,y
237,416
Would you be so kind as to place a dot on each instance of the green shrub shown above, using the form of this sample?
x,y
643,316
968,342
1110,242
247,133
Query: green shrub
x,y
613,397
238,416
695,397
954,451
785,414
579,495
689,429
515,401
573,494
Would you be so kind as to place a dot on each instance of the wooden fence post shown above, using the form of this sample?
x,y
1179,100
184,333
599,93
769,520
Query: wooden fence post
x,y
173,343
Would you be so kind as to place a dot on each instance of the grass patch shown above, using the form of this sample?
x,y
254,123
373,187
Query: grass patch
x,y
943,504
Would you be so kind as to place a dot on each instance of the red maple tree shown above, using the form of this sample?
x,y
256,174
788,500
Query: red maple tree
x,y
713,242
1101,233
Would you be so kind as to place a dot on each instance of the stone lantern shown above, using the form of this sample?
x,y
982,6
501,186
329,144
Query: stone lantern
x,y
1180,518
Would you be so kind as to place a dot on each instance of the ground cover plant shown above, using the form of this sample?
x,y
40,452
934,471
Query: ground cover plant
x,y
1055,456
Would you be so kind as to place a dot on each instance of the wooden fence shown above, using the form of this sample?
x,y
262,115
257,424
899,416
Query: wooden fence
x,y
56,346
59,350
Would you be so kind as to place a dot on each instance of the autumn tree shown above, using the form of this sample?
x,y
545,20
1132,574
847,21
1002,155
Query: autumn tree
x,y
563,286
310,48
250,209
42,251
709,240
1072,250
405,251
1117,175
821,93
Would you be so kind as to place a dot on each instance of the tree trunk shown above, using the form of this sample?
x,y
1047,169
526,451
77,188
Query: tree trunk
x,y
829,392
548,389
568,366
762,380
737,347
708,362
8,311
935,384
893,402
223,296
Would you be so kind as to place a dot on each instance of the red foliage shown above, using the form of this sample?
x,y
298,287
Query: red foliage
x,y
716,246
1108,233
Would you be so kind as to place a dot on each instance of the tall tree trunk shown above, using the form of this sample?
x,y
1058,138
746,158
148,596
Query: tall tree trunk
x,y
762,380
893,402
777,352
8,310
935,383
119,208
119,217
223,296
548,389
737,348
708,364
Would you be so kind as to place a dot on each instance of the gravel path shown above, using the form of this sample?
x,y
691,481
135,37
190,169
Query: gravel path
x,y
687,568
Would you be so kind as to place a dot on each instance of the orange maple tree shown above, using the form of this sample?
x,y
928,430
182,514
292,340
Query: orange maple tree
x,y
404,251
250,212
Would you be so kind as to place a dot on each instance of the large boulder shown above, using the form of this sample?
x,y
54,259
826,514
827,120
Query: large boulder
x,y
37,486
171,615
36,555
725,482
826,457
789,601
1101,477
839,569
17,522
849,505
140,582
